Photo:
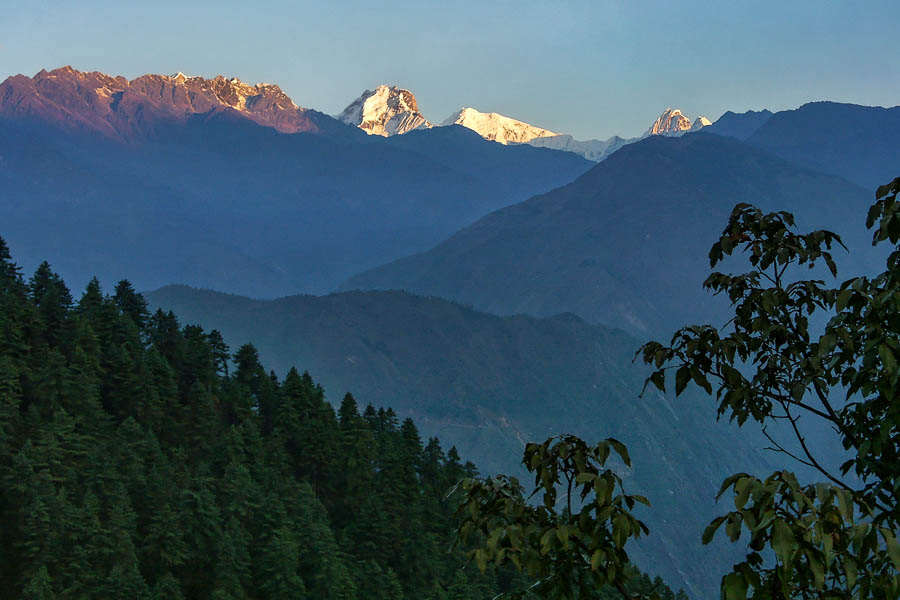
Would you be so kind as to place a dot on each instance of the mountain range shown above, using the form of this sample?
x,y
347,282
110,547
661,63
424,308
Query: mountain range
x,y
389,110
113,107
626,243
175,179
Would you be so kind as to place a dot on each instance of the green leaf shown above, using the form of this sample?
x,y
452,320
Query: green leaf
x,y
682,376
893,547
845,504
734,587
658,379
642,499
545,541
733,527
729,481
783,541
817,568
888,359
742,492
562,534
843,298
481,559
585,477
700,379
711,529
620,448
602,490
850,570
596,557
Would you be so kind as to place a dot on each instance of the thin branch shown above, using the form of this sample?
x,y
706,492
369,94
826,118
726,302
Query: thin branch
x,y
808,453
834,417
779,448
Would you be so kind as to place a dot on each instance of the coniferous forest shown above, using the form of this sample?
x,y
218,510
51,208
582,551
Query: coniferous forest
x,y
142,459
137,463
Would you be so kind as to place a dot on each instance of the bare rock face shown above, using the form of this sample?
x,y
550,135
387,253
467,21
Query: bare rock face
x,y
671,122
128,110
386,111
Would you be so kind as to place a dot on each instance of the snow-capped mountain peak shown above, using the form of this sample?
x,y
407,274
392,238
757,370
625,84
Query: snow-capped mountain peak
x,y
670,122
700,122
385,111
497,127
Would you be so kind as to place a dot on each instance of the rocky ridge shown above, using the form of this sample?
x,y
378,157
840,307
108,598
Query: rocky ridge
x,y
121,109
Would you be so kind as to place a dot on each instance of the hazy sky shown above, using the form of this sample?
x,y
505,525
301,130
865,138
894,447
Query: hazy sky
x,y
592,68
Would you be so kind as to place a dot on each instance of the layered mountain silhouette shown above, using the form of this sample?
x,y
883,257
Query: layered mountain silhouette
x,y
625,244
740,126
858,143
226,185
488,384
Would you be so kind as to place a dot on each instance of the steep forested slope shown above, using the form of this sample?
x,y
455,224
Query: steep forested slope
x,y
488,384
135,465
140,459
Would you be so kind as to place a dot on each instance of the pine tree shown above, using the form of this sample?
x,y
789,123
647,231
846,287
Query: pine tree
x,y
39,586
15,310
167,588
131,304
219,350
348,414
52,301
91,302
276,566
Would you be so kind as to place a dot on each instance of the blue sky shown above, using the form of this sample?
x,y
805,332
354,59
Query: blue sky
x,y
592,68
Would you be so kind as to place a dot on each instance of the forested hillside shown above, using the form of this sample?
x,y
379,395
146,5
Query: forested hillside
x,y
489,384
135,465
139,459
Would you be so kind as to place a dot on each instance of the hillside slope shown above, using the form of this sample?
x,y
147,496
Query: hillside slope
x,y
625,244
859,143
488,384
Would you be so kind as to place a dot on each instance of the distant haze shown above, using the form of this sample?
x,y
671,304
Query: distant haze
x,y
590,68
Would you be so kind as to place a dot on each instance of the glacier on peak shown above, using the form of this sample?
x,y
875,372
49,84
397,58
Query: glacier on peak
x,y
699,123
595,150
496,127
385,111
506,130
